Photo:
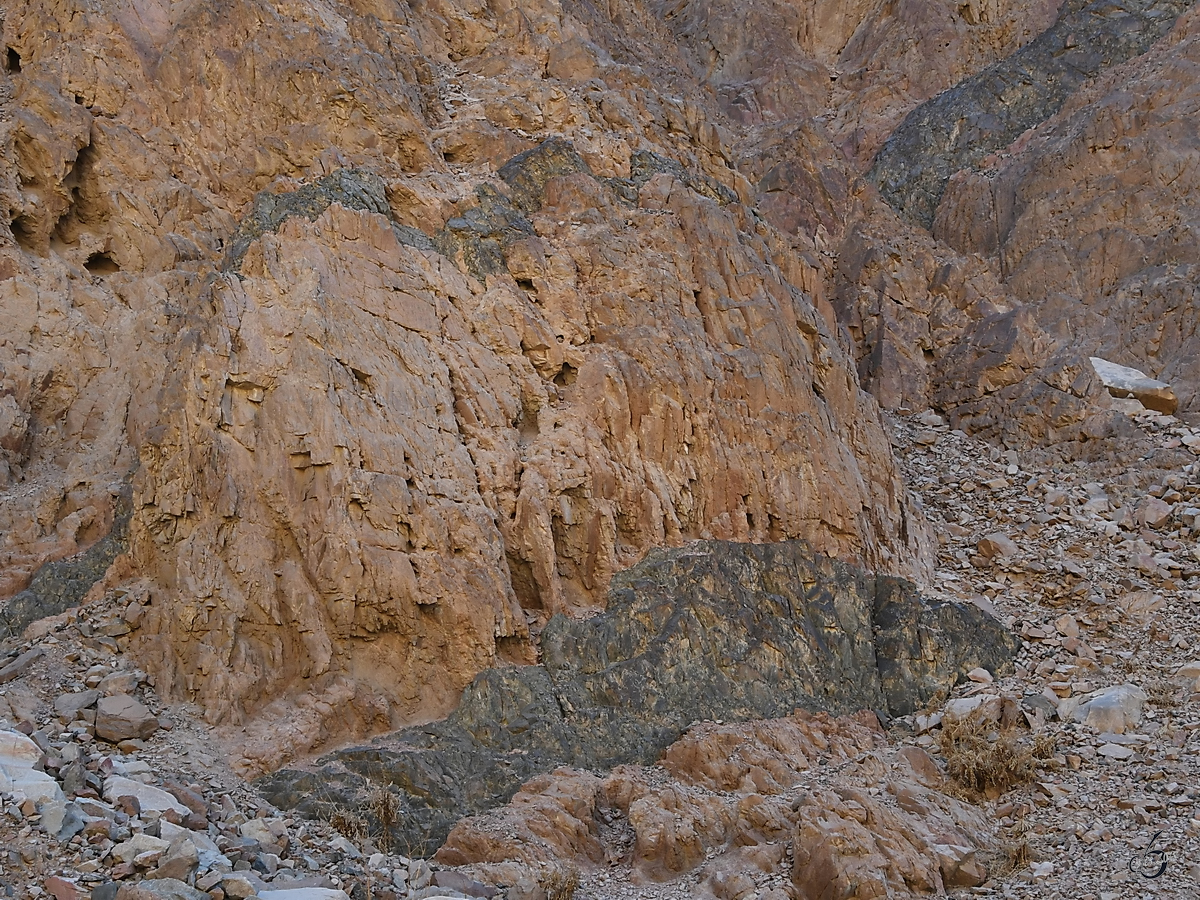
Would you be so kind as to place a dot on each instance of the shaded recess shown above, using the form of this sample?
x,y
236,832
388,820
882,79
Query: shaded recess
x,y
958,128
714,630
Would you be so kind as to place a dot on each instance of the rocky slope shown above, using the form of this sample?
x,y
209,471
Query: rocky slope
x,y
345,344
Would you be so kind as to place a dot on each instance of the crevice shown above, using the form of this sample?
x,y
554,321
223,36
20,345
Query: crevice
x,y
12,61
566,375
23,233
525,586
101,263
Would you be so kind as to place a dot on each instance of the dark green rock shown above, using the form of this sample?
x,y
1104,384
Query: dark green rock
x,y
526,173
351,188
644,165
713,630
58,586
481,235
988,111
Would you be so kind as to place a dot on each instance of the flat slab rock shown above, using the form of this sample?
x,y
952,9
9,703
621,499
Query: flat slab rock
x,y
715,630
1124,381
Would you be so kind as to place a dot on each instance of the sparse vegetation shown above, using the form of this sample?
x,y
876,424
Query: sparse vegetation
x,y
560,883
384,807
985,759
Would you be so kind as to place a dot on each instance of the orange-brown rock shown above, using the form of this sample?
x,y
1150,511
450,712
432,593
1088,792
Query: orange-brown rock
x,y
363,467
880,825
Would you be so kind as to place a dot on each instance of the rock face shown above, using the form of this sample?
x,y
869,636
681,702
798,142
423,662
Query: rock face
x,y
738,803
713,631
385,385
402,330
986,112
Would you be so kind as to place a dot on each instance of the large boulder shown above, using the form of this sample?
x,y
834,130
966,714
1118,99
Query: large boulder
x,y
713,630
121,717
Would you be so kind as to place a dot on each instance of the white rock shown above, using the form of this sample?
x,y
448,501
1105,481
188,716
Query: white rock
x,y
149,797
1125,381
138,844
1115,751
1115,709
18,756
309,893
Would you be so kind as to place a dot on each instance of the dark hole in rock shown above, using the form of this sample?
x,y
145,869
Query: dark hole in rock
x,y
928,355
566,375
526,284
22,232
12,60
100,263
525,586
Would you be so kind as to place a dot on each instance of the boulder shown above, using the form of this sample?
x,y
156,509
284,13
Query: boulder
x,y
996,544
180,860
1124,381
1113,710
713,630
18,756
148,797
68,706
137,845
121,718
160,889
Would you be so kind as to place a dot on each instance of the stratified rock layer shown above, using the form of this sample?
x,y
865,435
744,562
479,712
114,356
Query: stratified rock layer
x,y
986,112
710,631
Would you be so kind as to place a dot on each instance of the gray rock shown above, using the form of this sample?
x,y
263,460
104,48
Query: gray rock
x,y
457,881
160,889
120,683
121,717
20,665
1114,710
68,706
714,630
1124,381
148,797
180,861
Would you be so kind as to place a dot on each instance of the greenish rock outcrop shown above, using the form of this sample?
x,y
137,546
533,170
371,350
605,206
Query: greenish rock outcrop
x,y
988,111
714,630
57,586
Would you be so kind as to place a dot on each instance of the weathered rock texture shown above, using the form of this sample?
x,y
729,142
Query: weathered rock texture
x,y
406,328
988,111
382,409
712,631
737,805
1092,217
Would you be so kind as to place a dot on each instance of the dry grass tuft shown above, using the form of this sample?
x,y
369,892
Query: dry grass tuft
x,y
349,825
384,806
560,883
987,760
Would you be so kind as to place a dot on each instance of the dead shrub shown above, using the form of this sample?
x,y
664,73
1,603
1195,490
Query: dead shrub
x,y
560,883
985,759
384,807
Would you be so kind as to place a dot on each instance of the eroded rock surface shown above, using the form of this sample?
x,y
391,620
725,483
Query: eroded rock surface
x,y
741,803
712,631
